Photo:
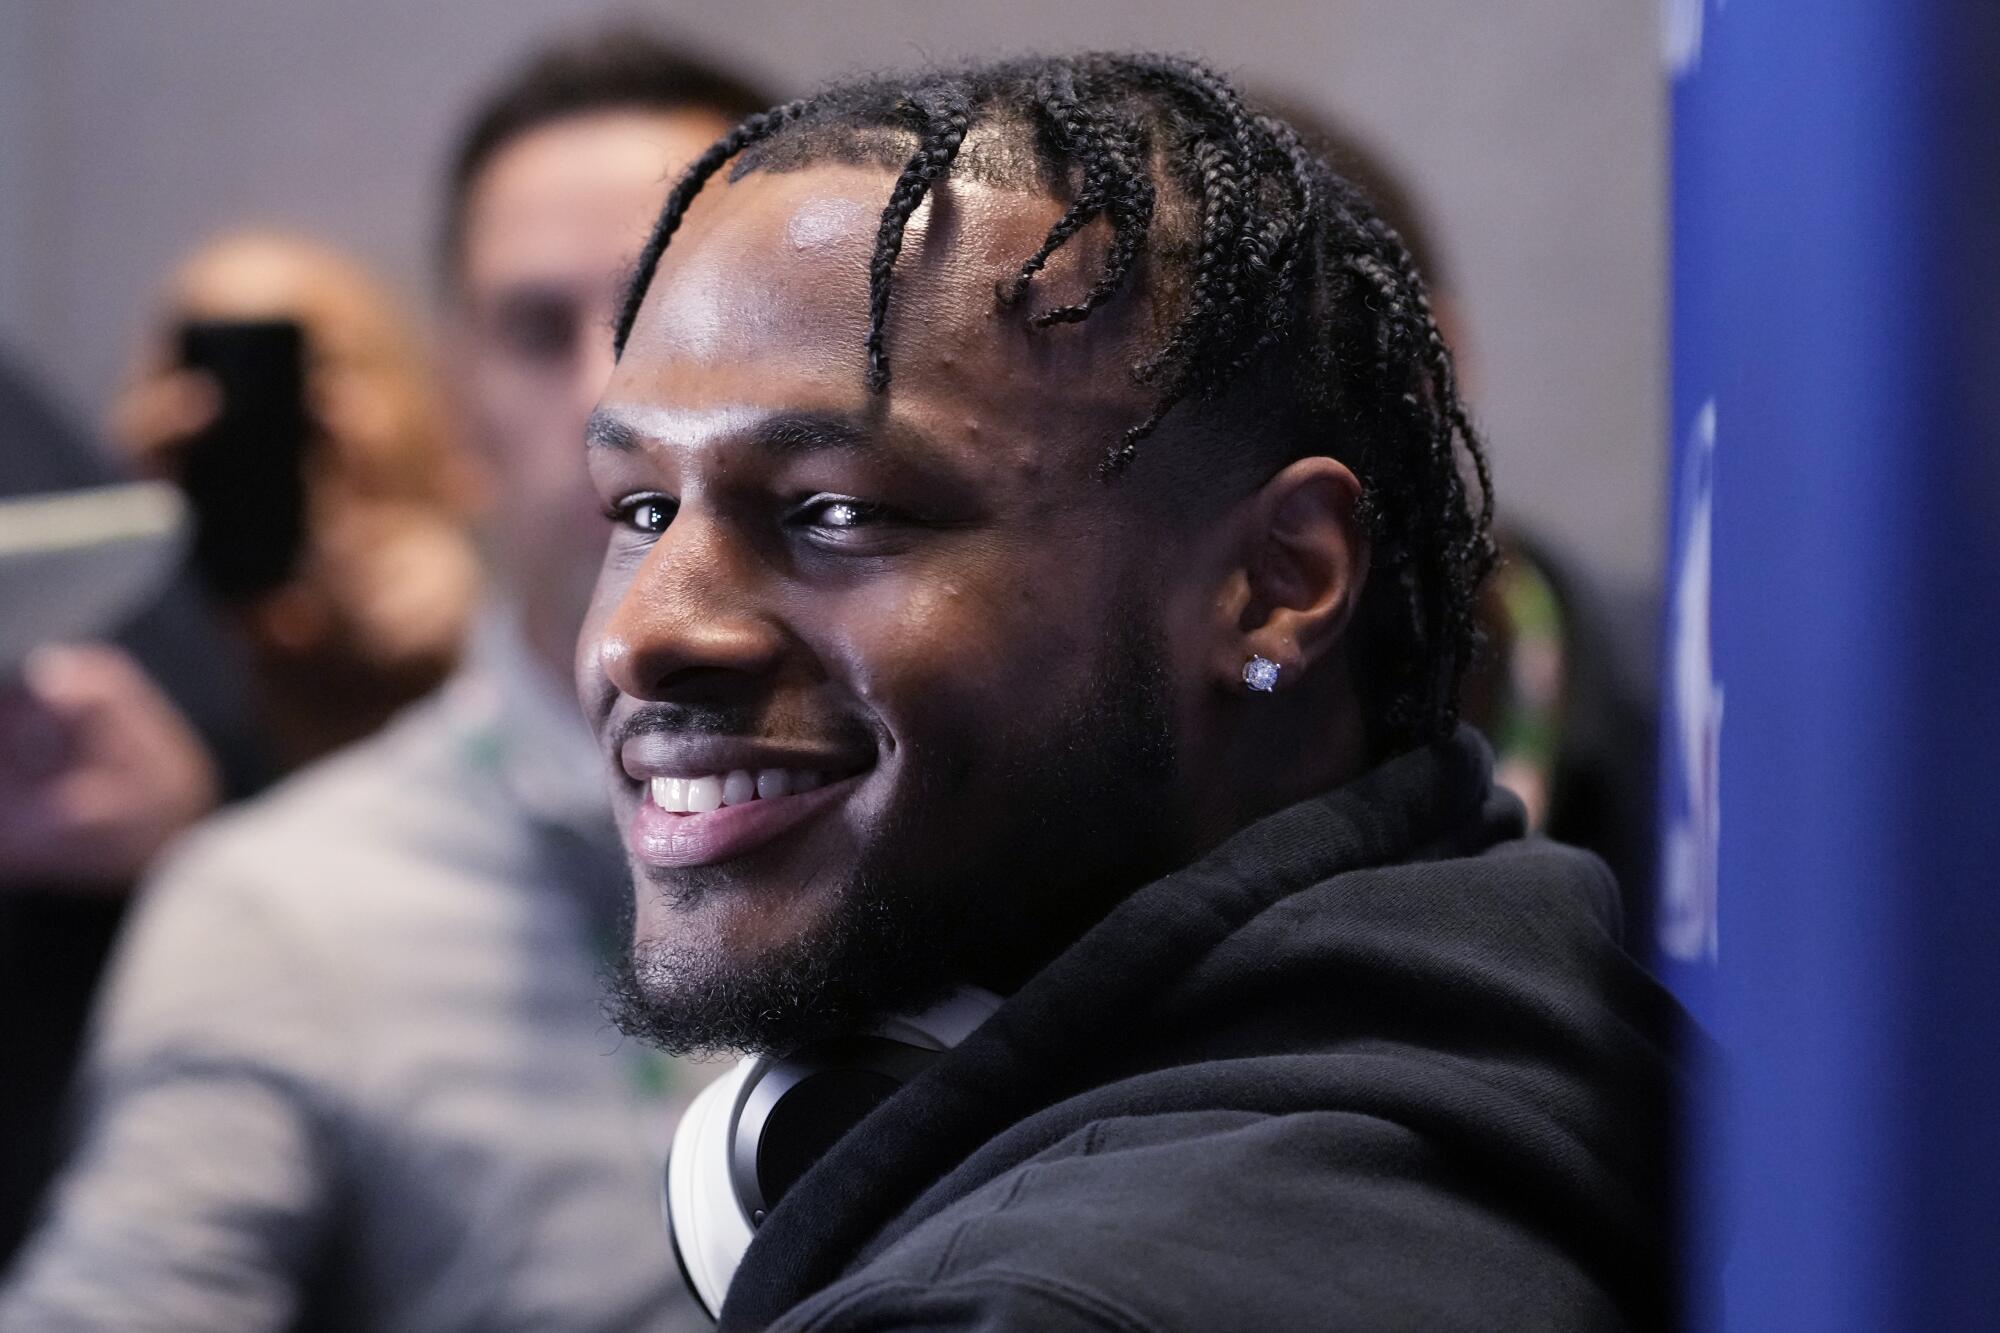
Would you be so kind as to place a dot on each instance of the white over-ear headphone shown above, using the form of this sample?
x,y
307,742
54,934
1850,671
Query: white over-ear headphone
x,y
753,1132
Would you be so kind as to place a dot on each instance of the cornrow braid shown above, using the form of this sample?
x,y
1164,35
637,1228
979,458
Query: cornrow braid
x,y
1303,169
1056,100
1130,207
1240,266
1437,357
1272,270
942,119
755,128
1114,184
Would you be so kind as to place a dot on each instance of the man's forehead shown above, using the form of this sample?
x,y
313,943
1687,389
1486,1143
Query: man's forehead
x,y
835,207
813,232
771,272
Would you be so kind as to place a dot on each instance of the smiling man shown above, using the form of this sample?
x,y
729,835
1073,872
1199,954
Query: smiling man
x,y
1044,536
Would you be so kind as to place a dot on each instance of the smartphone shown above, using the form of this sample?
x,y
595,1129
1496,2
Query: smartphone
x,y
244,476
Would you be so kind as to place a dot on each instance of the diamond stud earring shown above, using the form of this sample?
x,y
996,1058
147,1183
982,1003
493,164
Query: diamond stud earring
x,y
1261,674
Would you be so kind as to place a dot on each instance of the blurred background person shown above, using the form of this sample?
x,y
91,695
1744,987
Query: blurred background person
x,y
110,750
1561,687
375,609
107,752
351,1068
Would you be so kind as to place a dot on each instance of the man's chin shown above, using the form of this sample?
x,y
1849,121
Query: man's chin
x,y
688,993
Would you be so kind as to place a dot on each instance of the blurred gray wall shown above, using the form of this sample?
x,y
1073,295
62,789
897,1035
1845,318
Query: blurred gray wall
x,y
1534,129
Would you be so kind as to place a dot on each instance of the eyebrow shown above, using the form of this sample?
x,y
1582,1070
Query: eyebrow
x,y
803,433
788,434
605,430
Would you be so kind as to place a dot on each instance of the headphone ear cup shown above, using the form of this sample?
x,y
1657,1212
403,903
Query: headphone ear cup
x,y
748,1137
794,1109
706,1224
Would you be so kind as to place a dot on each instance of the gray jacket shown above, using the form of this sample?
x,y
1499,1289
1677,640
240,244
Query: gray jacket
x,y
351,1069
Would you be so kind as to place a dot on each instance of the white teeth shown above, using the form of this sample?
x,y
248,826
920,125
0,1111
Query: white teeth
x,y
700,796
704,795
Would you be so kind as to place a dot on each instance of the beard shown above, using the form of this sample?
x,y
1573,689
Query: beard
x,y
921,912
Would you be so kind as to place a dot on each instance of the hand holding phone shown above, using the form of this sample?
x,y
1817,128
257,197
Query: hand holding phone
x,y
244,471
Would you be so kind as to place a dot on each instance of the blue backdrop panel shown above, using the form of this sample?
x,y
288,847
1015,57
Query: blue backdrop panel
x,y
1831,897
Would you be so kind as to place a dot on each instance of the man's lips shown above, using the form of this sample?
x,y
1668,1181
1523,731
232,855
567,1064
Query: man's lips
x,y
669,840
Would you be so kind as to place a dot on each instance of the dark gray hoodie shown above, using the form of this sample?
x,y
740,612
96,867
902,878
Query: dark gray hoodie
x,y
1377,1062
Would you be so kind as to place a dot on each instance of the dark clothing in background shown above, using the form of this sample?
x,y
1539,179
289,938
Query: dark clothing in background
x,y
1377,1062
52,951
53,944
1602,792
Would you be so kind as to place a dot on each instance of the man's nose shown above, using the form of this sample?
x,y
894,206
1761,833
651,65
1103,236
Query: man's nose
x,y
691,618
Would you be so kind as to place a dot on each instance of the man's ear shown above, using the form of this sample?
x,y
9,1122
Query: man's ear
x,y
1302,557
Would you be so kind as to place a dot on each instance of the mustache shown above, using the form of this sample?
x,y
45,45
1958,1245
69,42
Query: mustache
x,y
681,719
745,719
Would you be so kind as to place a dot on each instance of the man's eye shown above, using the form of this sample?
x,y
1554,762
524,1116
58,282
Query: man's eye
x,y
840,513
649,515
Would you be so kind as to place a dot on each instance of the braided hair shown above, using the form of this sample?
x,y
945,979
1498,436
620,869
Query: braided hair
x,y
1275,271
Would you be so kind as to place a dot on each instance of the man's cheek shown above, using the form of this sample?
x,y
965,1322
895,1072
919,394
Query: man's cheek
x,y
939,646
961,731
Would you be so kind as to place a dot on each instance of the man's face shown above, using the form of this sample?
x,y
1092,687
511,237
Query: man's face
x,y
916,622
551,225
